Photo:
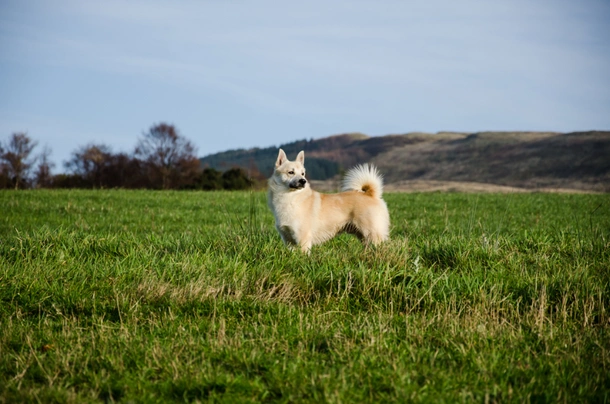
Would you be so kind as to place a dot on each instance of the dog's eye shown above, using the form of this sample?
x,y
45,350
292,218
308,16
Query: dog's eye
x,y
291,172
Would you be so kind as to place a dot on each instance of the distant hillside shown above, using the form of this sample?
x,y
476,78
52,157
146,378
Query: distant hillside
x,y
320,164
531,160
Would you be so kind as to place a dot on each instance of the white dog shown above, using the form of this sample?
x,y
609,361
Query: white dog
x,y
305,217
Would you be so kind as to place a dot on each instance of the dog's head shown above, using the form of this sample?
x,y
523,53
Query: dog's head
x,y
290,174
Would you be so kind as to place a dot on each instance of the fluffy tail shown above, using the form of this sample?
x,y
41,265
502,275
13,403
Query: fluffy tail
x,y
364,178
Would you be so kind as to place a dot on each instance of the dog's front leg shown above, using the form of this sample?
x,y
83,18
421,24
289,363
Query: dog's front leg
x,y
306,248
305,243
292,237
288,235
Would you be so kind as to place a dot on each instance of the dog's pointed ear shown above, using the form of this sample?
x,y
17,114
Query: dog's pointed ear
x,y
281,158
301,157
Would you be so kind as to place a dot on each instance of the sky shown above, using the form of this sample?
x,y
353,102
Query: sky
x,y
242,73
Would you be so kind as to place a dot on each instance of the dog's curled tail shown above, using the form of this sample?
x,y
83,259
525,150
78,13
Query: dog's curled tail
x,y
364,178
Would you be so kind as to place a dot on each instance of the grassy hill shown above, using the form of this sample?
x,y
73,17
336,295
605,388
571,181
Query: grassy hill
x,y
530,160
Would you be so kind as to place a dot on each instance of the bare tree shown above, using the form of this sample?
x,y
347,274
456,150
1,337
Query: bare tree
x,y
90,162
124,171
42,176
17,157
169,157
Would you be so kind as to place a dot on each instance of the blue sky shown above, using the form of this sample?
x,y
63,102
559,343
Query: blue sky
x,y
240,73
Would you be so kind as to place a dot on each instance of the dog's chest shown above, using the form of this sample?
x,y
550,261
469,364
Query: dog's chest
x,y
291,208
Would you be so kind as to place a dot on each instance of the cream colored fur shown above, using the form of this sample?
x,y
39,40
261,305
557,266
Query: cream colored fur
x,y
304,217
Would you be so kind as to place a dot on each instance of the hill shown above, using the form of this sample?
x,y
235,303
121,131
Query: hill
x,y
524,160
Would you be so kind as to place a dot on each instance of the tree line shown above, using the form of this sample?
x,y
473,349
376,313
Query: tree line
x,y
161,159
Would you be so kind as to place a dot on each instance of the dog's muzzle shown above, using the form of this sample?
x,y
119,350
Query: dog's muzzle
x,y
298,184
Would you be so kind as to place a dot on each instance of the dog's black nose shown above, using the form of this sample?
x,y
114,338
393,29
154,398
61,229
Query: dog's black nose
x,y
302,181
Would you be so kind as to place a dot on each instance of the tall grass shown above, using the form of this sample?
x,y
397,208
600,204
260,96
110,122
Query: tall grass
x,y
186,296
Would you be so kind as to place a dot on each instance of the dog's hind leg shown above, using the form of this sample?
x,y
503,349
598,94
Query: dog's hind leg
x,y
375,236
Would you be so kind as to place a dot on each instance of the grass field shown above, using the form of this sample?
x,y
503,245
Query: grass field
x,y
142,296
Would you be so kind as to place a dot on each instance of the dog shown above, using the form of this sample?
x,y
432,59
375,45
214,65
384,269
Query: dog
x,y
304,217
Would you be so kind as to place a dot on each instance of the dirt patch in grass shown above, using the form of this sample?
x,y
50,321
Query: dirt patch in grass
x,y
448,186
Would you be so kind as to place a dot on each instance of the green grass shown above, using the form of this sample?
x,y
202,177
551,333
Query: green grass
x,y
142,296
